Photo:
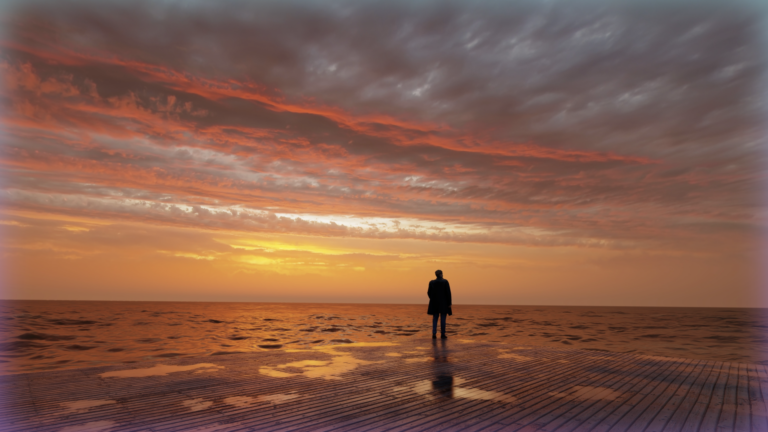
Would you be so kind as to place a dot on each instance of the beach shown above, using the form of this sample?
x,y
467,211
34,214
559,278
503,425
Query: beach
x,y
416,384
58,335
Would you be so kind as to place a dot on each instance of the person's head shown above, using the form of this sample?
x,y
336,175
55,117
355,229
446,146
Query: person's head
x,y
439,274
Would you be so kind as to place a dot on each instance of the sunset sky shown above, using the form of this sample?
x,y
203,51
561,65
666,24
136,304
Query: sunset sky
x,y
538,152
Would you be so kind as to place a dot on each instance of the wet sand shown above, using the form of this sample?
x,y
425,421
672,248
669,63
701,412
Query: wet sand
x,y
51,335
414,384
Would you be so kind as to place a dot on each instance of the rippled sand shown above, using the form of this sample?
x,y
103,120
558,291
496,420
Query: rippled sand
x,y
42,335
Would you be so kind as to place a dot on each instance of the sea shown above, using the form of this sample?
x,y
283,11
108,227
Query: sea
x,y
55,335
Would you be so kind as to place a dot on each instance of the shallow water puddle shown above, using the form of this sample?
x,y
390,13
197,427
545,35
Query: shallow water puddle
x,y
273,372
587,392
508,355
278,398
239,401
419,359
82,406
209,369
245,401
449,386
96,426
340,363
197,404
160,370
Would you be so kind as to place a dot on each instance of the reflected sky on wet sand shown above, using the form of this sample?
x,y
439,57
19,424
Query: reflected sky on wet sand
x,y
340,362
160,370
65,335
451,377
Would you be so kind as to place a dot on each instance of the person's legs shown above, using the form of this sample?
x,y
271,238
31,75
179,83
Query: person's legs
x,y
442,322
434,323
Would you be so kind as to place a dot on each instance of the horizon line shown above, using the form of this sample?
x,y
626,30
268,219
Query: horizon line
x,y
384,304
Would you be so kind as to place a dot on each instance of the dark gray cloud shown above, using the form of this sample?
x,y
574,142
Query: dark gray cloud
x,y
587,119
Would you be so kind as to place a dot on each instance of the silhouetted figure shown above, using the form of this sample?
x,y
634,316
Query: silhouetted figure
x,y
439,293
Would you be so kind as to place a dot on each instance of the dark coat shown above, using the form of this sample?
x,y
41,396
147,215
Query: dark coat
x,y
439,293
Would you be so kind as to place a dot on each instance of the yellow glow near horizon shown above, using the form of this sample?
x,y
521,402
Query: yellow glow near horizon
x,y
164,262
271,246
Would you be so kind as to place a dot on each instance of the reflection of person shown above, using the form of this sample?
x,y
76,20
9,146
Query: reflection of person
x,y
439,293
443,380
